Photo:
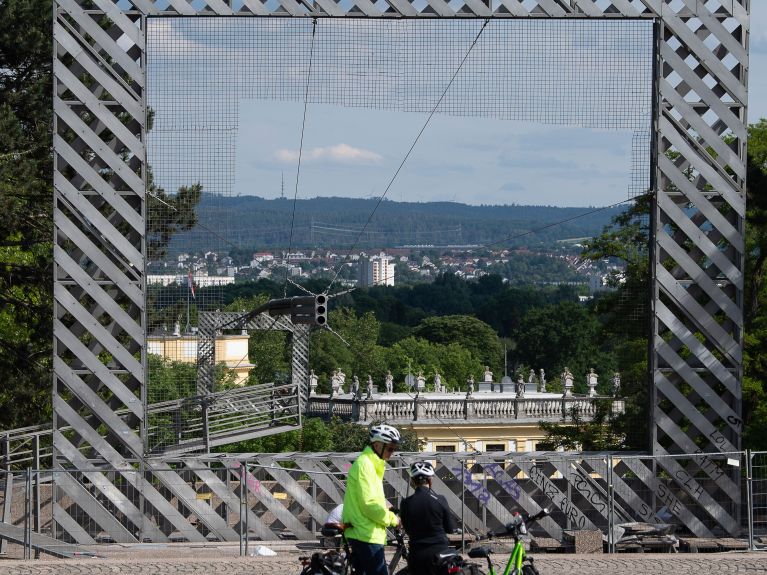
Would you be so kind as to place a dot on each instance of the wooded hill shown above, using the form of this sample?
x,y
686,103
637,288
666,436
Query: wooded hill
x,y
334,223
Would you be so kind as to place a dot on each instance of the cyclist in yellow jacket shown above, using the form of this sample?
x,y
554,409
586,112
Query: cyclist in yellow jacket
x,y
366,512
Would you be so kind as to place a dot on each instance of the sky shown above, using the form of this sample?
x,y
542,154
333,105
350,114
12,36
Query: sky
x,y
486,148
356,151
353,152
757,78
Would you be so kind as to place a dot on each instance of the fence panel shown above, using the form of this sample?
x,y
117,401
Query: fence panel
x,y
270,497
758,496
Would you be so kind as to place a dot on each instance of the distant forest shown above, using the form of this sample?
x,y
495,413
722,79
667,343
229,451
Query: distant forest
x,y
251,221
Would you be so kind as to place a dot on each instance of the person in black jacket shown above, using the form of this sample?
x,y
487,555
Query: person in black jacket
x,y
426,519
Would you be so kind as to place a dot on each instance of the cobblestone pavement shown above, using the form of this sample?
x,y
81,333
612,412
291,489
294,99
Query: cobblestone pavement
x,y
286,563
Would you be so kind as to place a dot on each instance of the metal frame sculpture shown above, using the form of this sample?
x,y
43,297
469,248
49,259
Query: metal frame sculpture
x,y
100,176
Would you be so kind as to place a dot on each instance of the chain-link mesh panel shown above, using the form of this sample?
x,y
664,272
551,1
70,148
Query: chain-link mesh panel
x,y
593,74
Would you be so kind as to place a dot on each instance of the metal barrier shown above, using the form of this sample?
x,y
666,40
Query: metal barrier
x,y
756,478
271,497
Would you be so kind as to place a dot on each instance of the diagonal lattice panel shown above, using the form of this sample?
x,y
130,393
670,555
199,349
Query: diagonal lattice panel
x,y
99,195
698,281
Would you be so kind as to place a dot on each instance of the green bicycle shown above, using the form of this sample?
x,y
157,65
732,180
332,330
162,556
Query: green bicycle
x,y
519,563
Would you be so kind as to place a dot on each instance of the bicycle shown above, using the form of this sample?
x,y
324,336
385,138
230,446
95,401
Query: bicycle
x,y
337,561
446,562
519,563
400,553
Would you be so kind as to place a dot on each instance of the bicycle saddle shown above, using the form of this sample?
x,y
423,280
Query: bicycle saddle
x,y
332,529
478,552
446,556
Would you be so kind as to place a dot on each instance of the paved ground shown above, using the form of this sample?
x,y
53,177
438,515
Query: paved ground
x,y
223,560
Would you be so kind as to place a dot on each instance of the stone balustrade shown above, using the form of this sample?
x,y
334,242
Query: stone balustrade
x,y
403,408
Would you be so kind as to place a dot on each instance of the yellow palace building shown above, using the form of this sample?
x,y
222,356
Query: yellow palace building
x,y
231,350
496,417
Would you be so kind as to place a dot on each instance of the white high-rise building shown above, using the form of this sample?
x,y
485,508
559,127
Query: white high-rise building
x,y
377,271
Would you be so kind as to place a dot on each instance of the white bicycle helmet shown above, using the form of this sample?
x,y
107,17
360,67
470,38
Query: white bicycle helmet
x,y
384,433
421,469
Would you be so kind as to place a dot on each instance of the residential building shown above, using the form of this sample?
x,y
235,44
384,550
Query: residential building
x,y
376,270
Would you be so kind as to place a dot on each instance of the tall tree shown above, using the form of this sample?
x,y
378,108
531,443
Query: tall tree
x,y
356,354
412,355
26,204
467,331
622,334
559,336
624,314
755,316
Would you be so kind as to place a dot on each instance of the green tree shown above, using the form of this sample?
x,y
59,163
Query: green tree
x,y
314,435
26,202
412,355
356,354
623,314
559,336
597,434
268,350
170,379
168,215
618,333
467,331
448,295
505,310
755,300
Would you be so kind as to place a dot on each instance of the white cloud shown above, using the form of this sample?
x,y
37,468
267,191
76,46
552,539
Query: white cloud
x,y
340,154
166,40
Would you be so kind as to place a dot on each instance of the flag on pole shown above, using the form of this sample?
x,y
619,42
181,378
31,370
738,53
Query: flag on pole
x,y
190,281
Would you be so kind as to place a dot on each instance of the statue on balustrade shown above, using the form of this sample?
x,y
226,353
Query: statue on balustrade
x,y
531,377
520,387
312,383
356,387
567,383
542,375
389,382
437,383
591,382
616,384
370,387
420,382
341,379
336,387
470,385
488,375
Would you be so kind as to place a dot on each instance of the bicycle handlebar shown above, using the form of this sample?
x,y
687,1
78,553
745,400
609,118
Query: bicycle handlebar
x,y
517,524
540,515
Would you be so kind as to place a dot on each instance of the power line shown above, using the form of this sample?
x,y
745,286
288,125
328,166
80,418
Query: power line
x,y
412,146
300,150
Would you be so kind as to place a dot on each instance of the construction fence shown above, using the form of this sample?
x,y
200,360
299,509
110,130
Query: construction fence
x,y
636,501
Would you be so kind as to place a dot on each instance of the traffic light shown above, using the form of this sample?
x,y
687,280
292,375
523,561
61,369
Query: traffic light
x,y
309,309
320,310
